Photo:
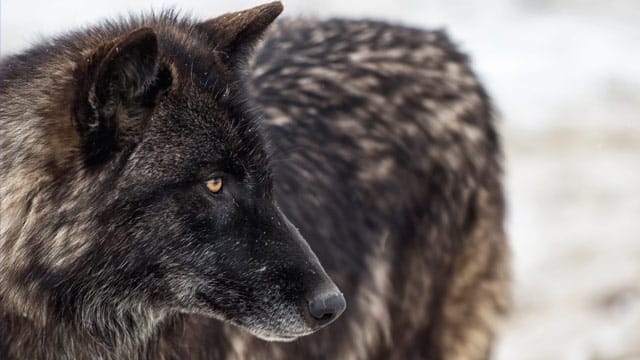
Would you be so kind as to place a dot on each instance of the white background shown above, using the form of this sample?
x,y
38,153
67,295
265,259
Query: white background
x,y
565,75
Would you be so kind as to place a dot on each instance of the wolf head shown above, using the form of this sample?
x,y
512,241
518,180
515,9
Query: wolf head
x,y
174,190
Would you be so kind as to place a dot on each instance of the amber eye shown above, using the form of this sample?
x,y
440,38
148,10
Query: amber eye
x,y
214,185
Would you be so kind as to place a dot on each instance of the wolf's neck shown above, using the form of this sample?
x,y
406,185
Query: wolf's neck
x,y
109,334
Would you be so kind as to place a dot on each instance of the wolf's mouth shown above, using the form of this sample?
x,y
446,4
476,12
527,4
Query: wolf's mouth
x,y
286,333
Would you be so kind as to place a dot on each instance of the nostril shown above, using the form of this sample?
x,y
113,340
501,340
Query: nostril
x,y
326,307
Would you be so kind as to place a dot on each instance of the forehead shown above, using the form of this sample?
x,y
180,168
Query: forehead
x,y
193,131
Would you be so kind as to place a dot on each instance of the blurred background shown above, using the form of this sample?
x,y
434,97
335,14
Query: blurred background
x,y
565,75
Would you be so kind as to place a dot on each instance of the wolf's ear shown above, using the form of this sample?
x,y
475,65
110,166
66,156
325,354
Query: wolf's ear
x,y
235,34
117,85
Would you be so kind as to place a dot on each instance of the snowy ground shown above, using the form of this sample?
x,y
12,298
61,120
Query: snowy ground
x,y
566,77
575,207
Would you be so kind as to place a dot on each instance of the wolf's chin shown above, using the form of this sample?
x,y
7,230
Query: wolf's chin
x,y
275,337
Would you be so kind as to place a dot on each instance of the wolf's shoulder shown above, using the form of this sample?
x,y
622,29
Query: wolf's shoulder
x,y
359,40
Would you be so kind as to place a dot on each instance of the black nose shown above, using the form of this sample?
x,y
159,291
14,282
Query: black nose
x,y
325,307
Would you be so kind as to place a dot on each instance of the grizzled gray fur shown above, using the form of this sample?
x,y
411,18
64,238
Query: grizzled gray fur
x,y
178,189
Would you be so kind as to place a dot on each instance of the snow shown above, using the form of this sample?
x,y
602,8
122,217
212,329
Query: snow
x,y
565,75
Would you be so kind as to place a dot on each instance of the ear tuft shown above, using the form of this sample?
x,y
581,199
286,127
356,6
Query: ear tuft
x,y
127,69
235,34
114,86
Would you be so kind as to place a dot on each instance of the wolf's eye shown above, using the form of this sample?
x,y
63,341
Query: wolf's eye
x,y
214,185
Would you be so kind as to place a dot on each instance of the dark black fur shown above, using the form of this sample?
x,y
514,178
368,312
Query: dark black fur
x,y
400,200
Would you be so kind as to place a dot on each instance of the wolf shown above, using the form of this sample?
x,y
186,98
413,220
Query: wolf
x,y
221,189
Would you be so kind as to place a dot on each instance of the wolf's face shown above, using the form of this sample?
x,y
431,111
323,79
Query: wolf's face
x,y
187,220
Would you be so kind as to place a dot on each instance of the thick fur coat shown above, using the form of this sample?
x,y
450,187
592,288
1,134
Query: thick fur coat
x,y
176,189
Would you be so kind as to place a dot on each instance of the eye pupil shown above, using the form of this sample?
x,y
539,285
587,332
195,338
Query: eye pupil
x,y
214,185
